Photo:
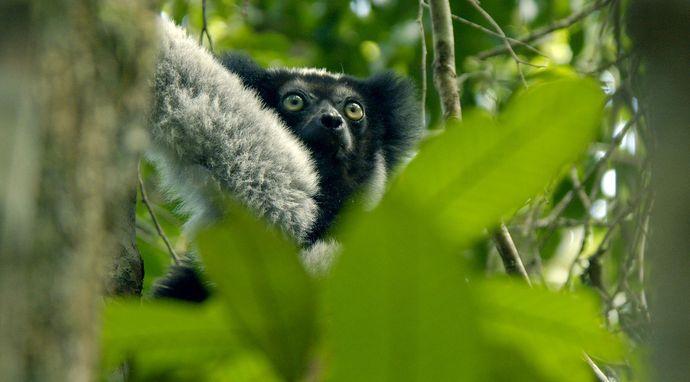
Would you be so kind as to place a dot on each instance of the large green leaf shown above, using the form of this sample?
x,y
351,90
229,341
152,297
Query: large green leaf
x,y
259,277
485,168
160,336
399,303
550,331
401,307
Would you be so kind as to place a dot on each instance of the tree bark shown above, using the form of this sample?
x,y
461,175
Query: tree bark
x,y
445,77
125,273
73,116
660,32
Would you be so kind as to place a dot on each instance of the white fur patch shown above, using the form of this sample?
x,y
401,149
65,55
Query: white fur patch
x,y
376,186
211,133
309,72
319,258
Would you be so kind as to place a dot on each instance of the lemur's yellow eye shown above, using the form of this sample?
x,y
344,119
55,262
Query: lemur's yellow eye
x,y
293,102
354,111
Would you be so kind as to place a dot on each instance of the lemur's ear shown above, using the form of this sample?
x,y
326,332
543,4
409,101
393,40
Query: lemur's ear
x,y
399,109
251,74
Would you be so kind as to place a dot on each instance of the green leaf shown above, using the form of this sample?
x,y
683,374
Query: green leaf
x,y
259,277
159,336
484,168
552,332
246,367
399,303
401,307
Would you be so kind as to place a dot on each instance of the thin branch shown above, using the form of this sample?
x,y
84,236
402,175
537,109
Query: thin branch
x,y
541,32
509,254
527,229
596,282
514,41
642,248
159,229
568,197
584,198
552,221
531,221
583,245
204,28
564,222
601,377
422,38
594,277
617,28
499,30
557,211
635,254
641,236
481,28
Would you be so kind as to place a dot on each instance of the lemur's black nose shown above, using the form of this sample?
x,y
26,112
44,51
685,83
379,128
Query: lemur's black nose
x,y
331,121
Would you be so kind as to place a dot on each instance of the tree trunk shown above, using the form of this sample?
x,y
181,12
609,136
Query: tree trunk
x,y
74,101
660,31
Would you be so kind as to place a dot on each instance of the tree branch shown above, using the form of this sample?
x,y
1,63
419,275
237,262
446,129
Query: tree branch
x,y
154,219
445,77
513,41
204,28
541,32
422,38
601,376
481,28
445,80
500,32
509,254
551,221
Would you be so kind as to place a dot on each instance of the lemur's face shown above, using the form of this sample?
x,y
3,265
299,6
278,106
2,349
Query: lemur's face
x,y
357,129
327,114
348,123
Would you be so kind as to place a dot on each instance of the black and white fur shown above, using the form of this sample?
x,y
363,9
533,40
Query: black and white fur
x,y
222,128
210,132
350,155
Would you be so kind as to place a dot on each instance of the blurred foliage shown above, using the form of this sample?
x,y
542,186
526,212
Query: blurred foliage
x,y
416,294
265,287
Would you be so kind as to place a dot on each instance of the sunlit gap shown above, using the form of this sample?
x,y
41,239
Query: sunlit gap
x,y
361,8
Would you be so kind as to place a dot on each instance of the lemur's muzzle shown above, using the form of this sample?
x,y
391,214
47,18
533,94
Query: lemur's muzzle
x,y
328,131
331,120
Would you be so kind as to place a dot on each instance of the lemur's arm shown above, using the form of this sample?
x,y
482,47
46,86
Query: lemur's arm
x,y
203,116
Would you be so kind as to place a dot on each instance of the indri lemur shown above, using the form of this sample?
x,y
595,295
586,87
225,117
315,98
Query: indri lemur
x,y
355,131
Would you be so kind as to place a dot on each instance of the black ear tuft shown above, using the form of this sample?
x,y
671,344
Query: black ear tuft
x,y
396,100
251,74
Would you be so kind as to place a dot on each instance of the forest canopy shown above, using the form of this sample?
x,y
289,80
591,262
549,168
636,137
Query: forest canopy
x,y
537,234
